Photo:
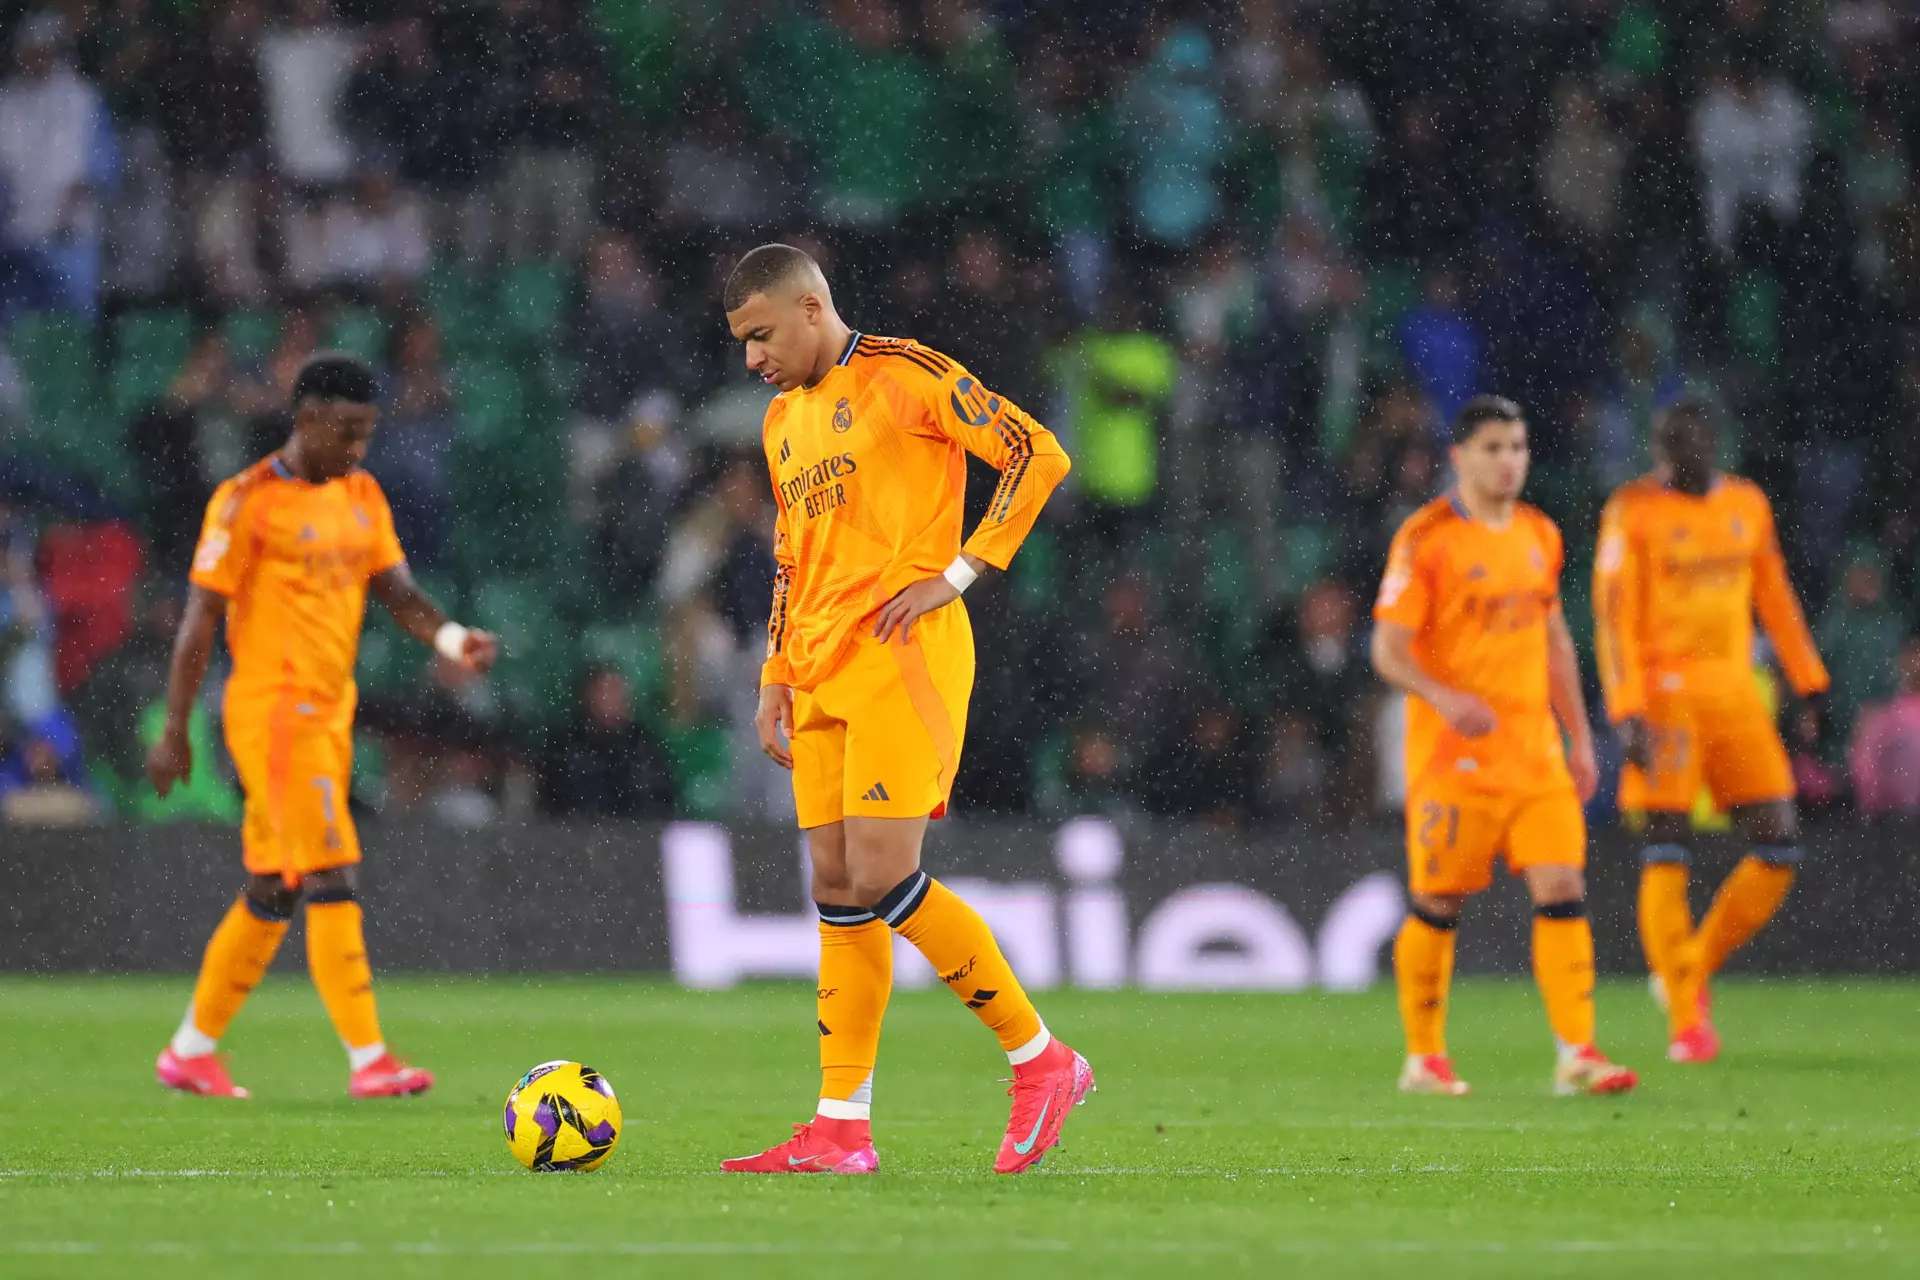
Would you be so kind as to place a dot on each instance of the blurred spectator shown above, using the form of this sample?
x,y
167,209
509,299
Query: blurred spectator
x,y
1073,140
712,177
411,455
607,765
1292,771
1135,675
1117,378
212,103
1581,169
1177,131
374,237
140,224
1643,380
56,155
425,114
629,348
1205,773
715,579
1751,135
549,82
28,692
634,500
1885,754
445,741
1441,346
1093,781
1416,207
88,571
166,441
1859,635
111,708
304,64
981,322
43,778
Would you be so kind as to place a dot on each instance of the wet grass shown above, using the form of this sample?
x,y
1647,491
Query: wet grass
x,y
1232,1135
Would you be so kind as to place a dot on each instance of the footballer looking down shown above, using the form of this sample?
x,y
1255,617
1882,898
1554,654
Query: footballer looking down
x,y
869,668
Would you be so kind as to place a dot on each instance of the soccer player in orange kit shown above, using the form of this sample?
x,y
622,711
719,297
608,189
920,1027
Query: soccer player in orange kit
x,y
869,667
1468,625
289,551
1686,556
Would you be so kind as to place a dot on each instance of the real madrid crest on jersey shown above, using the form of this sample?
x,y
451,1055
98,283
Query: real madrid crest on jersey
x,y
842,416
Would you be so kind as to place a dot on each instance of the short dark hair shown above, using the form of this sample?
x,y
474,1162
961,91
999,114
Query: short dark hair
x,y
1689,413
1483,409
335,375
760,270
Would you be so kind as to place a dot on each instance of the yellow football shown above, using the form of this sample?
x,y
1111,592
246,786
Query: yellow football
x,y
562,1116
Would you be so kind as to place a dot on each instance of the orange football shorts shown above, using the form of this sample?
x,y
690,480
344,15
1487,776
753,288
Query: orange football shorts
x,y
295,760
881,736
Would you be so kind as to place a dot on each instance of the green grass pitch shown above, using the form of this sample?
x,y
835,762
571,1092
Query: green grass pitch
x,y
1232,1135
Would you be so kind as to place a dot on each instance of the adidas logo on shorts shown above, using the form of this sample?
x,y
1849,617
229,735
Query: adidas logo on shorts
x,y
877,792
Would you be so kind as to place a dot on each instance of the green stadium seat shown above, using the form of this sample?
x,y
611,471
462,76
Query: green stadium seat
x,y
492,400
59,363
359,332
148,349
537,655
1306,553
531,303
702,757
251,334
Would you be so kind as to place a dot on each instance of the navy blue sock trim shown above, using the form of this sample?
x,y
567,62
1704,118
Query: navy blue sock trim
x,y
1671,853
266,911
903,899
1434,922
324,896
844,917
1575,910
1780,855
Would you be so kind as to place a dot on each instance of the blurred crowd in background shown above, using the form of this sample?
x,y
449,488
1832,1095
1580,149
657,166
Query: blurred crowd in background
x,y
1245,257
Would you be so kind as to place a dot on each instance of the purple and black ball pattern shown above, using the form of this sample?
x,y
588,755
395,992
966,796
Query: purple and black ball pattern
x,y
569,1121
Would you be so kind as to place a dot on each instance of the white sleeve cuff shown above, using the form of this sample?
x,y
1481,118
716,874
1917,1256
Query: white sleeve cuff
x,y
961,574
450,641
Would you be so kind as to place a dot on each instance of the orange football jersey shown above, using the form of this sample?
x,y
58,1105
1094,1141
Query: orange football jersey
x,y
869,470
293,560
1676,581
1478,600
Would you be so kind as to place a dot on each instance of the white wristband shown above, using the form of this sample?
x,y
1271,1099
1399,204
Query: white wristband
x,y
961,574
450,641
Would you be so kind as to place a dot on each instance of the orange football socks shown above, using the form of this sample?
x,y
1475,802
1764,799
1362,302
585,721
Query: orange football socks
x,y
957,942
856,977
1563,967
1746,901
337,960
1666,919
1423,974
236,959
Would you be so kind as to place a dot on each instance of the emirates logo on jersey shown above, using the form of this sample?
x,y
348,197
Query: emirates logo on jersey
x,y
842,416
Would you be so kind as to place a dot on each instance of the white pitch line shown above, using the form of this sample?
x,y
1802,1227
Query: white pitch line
x,y
944,1247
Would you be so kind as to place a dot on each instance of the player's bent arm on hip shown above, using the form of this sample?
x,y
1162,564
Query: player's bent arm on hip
x,y
1570,704
170,760
417,615
925,596
1393,661
1031,464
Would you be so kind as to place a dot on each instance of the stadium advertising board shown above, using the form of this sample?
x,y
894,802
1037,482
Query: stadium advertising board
x,y
1080,903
